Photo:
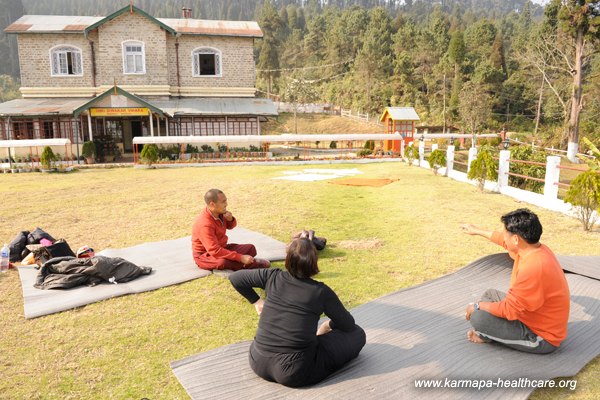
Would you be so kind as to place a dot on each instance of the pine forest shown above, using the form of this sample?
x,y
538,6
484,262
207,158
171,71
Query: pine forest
x,y
478,65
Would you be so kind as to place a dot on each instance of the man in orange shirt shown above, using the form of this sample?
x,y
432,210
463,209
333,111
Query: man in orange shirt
x,y
209,238
532,316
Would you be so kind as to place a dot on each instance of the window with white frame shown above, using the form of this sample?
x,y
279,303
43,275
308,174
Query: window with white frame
x,y
134,58
66,61
206,62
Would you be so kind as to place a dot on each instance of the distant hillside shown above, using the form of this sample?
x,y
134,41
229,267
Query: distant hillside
x,y
316,123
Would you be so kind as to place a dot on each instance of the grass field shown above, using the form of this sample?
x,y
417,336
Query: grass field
x,y
380,240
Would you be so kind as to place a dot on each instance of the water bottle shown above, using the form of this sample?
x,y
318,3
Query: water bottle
x,y
4,258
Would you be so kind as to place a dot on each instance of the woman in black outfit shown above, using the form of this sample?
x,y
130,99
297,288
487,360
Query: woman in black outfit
x,y
288,348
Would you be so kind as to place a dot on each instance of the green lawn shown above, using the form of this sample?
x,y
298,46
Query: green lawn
x,y
380,240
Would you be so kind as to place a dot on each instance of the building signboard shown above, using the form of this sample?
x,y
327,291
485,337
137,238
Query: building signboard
x,y
119,112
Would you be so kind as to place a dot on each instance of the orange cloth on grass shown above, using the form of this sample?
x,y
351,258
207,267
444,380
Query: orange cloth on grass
x,y
363,182
538,295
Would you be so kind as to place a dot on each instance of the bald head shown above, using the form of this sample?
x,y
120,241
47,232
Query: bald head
x,y
212,196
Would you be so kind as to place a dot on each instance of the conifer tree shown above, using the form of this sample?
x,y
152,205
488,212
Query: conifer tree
x,y
374,60
268,59
314,40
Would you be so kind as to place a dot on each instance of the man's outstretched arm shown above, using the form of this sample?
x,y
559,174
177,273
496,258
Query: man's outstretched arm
x,y
471,229
493,236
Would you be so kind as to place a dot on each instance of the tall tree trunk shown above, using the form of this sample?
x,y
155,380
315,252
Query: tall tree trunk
x,y
296,118
269,86
576,100
539,107
444,112
368,88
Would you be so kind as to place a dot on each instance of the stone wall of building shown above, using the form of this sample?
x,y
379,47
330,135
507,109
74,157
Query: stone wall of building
x,y
36,64
126,27
237,61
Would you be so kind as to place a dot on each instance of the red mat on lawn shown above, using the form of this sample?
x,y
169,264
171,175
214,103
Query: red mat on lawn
x,y
364,182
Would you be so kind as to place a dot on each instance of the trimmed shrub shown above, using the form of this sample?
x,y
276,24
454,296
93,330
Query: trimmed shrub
x,y
149,154
47,158
411,153
584,195
89,149
436,159
484,167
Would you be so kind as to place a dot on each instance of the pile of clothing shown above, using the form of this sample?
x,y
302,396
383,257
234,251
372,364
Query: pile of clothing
x,y
61,268
22,244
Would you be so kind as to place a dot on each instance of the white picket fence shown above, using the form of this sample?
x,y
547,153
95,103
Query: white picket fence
x,y
549,199
309,108
360,117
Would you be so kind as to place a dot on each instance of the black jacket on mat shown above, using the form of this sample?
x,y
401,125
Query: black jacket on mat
x,y
67,272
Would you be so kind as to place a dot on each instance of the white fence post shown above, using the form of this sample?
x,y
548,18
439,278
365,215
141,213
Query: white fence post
x,y
472,156
402,148
552,177
449,159
434,146
421,151
503,168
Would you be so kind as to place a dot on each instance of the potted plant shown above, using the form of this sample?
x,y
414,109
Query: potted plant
x,y
189,151
365,152
47,159
89,152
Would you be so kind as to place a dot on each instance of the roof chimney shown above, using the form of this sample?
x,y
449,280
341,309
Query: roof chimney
x,y
186,12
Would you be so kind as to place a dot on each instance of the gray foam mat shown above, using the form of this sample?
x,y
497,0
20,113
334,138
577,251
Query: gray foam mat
x,y
419,333
171,262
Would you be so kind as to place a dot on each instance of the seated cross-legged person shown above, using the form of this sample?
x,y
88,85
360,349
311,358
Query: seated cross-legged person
x,y
532,316
288,348
209,238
